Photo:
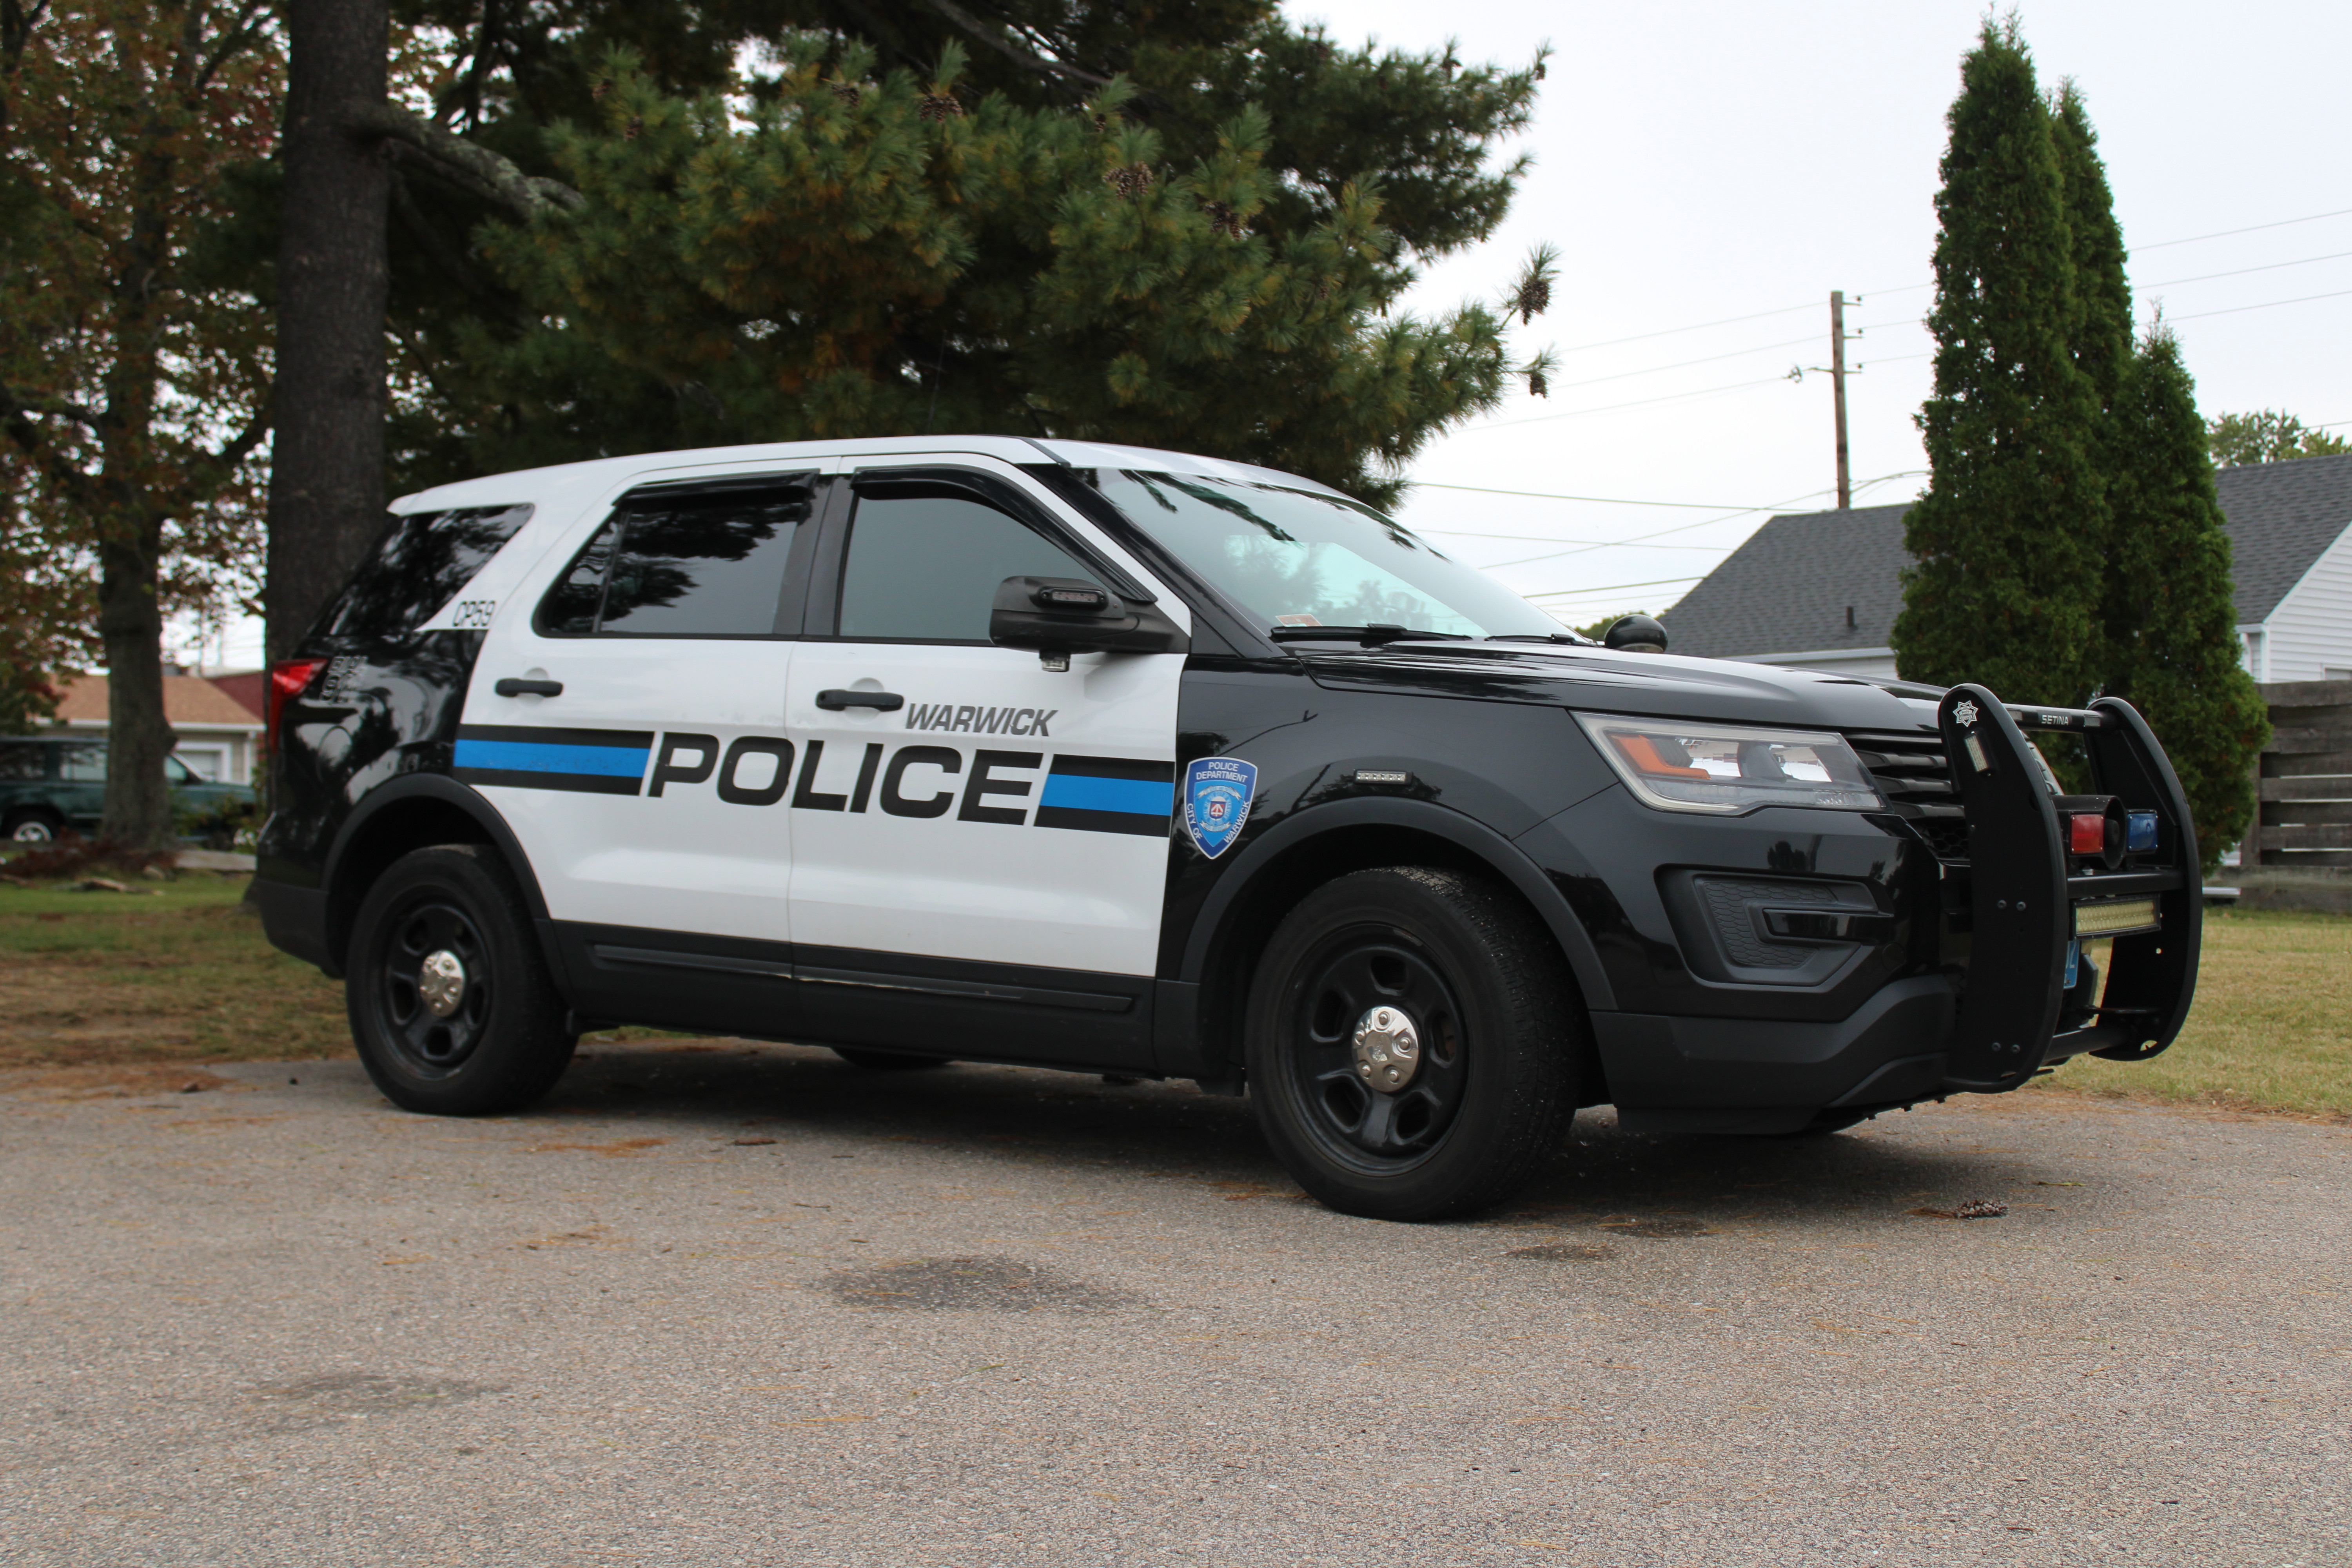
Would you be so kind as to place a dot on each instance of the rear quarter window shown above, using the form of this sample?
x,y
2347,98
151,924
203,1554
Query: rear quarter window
x,y
21,761
419,563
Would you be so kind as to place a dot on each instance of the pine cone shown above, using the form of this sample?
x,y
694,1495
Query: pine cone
x,y
939,106
1128,180
1533,298
1223,219
846,91
1538,384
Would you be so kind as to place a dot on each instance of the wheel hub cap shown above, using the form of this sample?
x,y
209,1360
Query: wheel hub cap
x,y
441,983
1387,1049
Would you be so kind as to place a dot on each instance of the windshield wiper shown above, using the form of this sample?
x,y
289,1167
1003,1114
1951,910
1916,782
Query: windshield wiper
x,y
1574,639
1376,636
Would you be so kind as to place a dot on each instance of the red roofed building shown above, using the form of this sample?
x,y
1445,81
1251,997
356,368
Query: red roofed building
x,y
219,737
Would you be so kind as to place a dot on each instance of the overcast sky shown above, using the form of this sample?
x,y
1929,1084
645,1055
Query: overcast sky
x,y
1699,160
1702,160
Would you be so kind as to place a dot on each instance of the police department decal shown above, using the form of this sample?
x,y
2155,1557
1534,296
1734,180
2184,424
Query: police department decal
x,y
1217,792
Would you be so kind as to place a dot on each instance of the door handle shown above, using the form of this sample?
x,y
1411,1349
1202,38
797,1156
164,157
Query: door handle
x,y
836,699
509,686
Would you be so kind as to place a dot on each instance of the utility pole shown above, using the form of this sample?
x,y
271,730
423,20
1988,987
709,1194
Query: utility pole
x,y
1837,394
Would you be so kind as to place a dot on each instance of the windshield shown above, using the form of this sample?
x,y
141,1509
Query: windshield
x,y
1297,558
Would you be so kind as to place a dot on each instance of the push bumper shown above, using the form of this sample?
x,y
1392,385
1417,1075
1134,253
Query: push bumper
x,y
2026,899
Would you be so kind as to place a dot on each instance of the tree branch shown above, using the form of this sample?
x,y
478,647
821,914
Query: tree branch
x,y
467,163
241,447
246,27
964,21
18,420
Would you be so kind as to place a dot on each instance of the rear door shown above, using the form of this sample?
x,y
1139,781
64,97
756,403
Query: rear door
x,y
629,725
979,842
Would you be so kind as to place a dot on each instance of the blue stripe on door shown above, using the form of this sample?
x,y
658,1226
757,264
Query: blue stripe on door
x,y
1076,792
541,757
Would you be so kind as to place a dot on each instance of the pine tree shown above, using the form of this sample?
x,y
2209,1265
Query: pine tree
x,y
1251,323
2172,631
838,251
2005,587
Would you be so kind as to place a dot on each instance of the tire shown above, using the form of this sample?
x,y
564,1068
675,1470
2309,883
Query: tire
x,y
502,1043
885,1061
1499,1031
34,825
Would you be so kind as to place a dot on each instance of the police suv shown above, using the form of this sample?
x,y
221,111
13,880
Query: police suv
x,y
1127,761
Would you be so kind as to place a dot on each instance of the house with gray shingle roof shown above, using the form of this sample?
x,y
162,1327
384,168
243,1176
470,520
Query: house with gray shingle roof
x,y
1821,590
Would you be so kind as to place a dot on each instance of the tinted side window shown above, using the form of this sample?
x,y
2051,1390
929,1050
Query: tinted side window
x,y
690,565
20,760
176,772
926,567
420,563
82,764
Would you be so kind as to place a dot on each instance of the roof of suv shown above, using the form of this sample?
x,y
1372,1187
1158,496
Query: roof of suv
x,y
541,484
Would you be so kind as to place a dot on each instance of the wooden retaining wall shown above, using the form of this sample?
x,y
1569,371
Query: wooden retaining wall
x,y
2304,779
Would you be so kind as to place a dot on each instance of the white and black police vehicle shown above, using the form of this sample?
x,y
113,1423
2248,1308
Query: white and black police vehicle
x,y
1131,762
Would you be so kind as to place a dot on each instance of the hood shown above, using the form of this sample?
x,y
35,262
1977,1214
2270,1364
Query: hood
x,y
1602,681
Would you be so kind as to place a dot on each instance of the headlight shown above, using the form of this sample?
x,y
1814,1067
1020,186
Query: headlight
x,y
1677,765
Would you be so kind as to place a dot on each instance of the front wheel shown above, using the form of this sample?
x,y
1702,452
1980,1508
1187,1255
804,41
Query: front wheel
x,y
450,1000
1412,1039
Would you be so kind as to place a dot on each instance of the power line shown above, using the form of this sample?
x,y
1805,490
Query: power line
x,y
1546,495
1685,364
2241,272
2253,228
1914,288
1637,403
1612,588
1548,539
1694,326
2265,305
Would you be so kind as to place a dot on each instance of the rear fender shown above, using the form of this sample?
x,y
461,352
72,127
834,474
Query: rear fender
x,y
414,812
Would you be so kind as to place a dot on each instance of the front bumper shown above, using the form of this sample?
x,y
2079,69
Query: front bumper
x,y
1984,1005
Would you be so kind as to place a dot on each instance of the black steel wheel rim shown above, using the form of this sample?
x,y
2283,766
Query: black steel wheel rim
x,y
1345,977
429,1044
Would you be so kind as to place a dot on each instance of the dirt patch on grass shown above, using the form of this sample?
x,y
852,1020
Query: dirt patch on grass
x,y
185,975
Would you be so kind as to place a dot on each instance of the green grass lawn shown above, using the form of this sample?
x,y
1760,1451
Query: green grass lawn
x,y
178,973
2272,1029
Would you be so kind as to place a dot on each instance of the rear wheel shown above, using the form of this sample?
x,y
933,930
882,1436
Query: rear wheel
x,y
886,1061
450,1000
33,826
1412,1039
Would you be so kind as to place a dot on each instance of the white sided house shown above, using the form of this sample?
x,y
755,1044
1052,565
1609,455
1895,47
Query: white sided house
x,y
1820,590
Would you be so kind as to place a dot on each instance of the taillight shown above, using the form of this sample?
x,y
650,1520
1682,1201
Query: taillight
x,y
286,679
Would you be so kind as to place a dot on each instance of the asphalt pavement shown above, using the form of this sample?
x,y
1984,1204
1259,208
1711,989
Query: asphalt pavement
x,y
726,1304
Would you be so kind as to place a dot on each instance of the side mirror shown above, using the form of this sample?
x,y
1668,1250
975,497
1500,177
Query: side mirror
x,y
1636,633
1070,615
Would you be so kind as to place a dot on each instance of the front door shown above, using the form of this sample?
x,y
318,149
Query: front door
x,y
979,842
638,748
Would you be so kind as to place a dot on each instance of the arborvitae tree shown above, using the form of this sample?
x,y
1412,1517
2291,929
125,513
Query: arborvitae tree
x,y
2103,300
2172,629
2005,588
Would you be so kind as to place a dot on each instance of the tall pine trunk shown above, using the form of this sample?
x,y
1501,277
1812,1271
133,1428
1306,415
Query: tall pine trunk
x,y
326,473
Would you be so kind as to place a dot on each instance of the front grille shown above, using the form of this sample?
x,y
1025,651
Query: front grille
x,y
1912,773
